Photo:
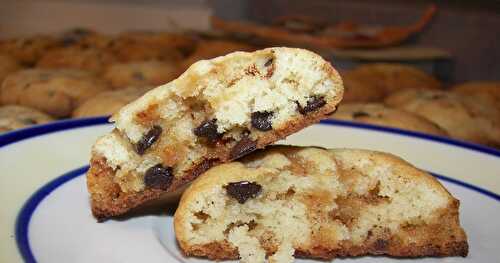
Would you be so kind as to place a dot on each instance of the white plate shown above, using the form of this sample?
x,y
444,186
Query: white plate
x,y
46,216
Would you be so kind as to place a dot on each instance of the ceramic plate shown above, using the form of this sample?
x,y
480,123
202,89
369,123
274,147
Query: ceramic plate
x,y
45,214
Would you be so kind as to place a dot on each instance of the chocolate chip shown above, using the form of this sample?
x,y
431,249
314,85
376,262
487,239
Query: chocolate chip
x,y
138,75
29,121
243,190
158,177
313,104
261,120
243,147
148,139
359,114
381,245
268,63
208,129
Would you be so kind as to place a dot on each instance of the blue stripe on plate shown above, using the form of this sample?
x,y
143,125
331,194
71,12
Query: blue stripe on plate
x,y
37,130
24,216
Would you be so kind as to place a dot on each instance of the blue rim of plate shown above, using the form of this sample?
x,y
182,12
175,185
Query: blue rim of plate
x,y
24,216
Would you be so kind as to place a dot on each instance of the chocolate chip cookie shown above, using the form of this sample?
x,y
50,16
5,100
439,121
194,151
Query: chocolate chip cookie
x,y
8,65
77,57
218,110
14,117
28,50
146,73
463,117
316,203
372,82
108,102
56,92
142,45
381,115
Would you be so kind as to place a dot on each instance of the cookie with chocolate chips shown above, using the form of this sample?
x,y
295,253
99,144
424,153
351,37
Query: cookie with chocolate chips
x,y
14,117
144,73
218,110
464,117
288,201
56,92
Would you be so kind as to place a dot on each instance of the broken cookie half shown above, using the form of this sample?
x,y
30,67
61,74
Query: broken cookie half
x,y
217,111
310,202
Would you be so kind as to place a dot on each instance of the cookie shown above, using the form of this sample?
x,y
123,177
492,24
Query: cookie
x,y
14,117
77,57
214,48
84,38
56,92
317,203
381,115
8,65
144,73
358,90
218,110
108,102
29,49
485,90
382,79
463,117
142,45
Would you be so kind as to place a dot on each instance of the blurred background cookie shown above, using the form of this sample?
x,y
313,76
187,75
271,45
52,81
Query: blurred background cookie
x,y
463,117
381,115
358,90
85,38
213,48
142,45
145,73
77,57
107,103
371,82
28,49
7,65
56,92
14,117
486,90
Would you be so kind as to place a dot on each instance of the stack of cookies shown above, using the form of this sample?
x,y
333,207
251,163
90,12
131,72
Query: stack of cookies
x,y
254,202
399,96
83,73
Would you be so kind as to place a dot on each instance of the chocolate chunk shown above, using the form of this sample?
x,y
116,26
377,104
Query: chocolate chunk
x,y
269,62
208,129
158,177
313,104
261,120
381,245
359,114
243,190
243,147
138,75
148,139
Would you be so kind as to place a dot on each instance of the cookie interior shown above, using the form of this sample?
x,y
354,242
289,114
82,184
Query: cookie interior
x,y
218,110
318,203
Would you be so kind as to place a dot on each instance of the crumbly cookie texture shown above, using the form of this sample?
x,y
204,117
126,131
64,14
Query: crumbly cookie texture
x,y
218,110
382,115
312,202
